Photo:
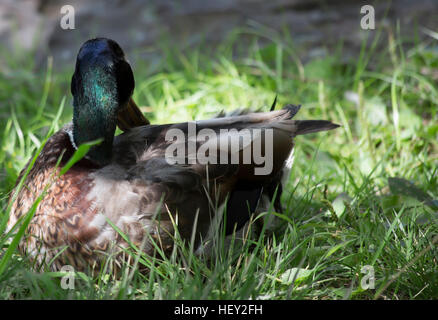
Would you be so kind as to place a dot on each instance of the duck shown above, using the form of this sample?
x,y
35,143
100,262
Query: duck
x,y
141,186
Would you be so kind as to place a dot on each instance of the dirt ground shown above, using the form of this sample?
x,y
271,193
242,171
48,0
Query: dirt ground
x,y
316,26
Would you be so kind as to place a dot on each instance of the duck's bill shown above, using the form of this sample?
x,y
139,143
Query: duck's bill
x,y
130,116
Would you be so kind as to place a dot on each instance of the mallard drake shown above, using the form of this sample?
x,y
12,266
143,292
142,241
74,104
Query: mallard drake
x,y
141,181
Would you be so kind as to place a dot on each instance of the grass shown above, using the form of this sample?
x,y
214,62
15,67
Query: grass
x,y
362,195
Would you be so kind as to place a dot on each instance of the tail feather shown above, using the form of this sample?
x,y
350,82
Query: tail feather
x,y
292,110
310,126
274,103
278,119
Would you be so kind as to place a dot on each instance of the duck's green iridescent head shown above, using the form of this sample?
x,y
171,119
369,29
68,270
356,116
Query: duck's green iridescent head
x,y
102,85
